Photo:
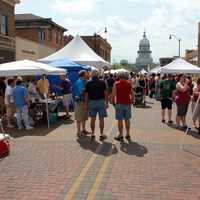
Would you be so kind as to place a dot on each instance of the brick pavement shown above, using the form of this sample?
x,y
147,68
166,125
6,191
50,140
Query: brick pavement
x,y
47,166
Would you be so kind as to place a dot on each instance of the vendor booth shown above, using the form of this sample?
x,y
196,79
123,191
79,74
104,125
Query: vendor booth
x,y
78,51
31,68
72,69
180,66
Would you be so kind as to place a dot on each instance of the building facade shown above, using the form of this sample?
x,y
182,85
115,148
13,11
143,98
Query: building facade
x,y
166,61
98,44
198,44
42,34
7,30
191,56
144,59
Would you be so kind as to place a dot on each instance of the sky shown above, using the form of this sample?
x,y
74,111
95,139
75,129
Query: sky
x,y
125,21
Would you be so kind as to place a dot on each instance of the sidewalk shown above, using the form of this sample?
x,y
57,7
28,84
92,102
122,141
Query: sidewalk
x,y
55,166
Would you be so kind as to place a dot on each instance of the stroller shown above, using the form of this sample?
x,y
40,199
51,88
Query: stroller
x,y
140,96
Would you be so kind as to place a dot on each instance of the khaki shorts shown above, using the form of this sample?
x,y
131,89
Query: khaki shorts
x,y
10,110
80,114
67,99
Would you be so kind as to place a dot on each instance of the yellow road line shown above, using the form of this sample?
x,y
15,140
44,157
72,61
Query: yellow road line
x,y
100,176
85,170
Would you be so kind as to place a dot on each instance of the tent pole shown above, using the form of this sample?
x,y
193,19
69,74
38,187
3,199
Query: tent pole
x,y
188,128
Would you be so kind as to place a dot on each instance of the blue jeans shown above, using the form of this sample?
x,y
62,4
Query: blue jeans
x,y
123,112
97,107
22,114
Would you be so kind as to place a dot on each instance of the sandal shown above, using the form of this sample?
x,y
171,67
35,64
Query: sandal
x,y
84,132
103,137
93,138
79,134
119,138
128,138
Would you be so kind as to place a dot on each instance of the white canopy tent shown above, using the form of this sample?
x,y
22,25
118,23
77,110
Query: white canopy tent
x,y
155,70
78,51
143,71
115,71
28,68
180,66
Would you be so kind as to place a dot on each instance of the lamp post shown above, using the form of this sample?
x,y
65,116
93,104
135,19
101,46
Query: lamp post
x,y
179,43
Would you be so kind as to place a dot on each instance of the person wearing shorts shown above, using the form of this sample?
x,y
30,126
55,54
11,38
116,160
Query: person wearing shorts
x,y
182,101
80,111
122,97
167,88
9,102
66,88
97,102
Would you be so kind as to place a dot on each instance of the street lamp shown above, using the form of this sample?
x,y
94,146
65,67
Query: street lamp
x,y
179,43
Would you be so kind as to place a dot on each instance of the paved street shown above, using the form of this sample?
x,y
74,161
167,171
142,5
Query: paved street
x,y
54,165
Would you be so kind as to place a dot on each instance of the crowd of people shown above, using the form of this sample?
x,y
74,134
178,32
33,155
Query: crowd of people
x,y
94,96
17,97
94,92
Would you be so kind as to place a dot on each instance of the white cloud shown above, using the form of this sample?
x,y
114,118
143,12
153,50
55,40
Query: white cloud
x,y
77,7
167,16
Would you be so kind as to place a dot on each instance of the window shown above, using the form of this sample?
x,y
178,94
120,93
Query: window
x,y
41,35
57,37
4,24
61,37
49,34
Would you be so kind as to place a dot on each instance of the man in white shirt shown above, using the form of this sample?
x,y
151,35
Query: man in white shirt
x,y
9,102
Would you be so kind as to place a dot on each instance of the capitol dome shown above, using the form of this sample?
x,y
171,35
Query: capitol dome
x,y
144,58
144,42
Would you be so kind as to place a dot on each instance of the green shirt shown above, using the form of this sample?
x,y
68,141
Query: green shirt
x,y
166,88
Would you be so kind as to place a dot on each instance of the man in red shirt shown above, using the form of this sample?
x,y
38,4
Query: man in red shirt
x,y
122,97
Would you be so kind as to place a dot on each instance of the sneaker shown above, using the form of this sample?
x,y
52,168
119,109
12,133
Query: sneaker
x,y
29,128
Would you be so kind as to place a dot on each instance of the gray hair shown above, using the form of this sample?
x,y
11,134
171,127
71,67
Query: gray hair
x,y
95,73
123,75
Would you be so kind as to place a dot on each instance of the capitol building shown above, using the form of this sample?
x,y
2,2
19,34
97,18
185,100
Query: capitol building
x,y
144,58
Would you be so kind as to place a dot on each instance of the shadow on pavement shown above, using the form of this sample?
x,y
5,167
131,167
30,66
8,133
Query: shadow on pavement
x,y
194,134
192,153
39,130
106,148
142,106
133,148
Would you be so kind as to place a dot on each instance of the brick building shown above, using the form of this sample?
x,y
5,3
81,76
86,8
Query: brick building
x,y
166,61
191,56
198,44
7,30
41,33
97,43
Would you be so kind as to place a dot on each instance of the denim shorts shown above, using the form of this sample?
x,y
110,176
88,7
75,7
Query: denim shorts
x,y
123,112
97,106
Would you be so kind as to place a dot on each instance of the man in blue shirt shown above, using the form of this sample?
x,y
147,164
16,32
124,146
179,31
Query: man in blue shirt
x,y
20,95
80,111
